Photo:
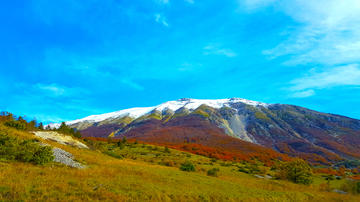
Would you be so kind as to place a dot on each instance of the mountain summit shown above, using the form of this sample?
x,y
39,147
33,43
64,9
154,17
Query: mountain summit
x,y
228,123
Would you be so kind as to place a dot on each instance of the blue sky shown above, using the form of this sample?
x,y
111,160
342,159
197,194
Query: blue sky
x,y
63,60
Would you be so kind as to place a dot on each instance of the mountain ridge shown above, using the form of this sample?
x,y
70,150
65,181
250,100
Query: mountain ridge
x,y
188,103
289,129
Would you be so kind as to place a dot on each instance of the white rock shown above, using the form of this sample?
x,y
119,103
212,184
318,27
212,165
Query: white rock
x,y
60,138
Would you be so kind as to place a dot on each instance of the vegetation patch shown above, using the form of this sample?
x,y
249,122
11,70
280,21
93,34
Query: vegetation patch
x,y
252,168
297,171
24,150
187,166
201,113
261,116
213,172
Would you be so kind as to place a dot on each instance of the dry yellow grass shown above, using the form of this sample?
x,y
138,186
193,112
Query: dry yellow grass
x,y
111,179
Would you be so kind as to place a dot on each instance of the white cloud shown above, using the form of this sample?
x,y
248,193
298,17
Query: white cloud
x,y
216,50
190,1
163,1
348,75
132,84
52,89
190,67
328,32
338,76
254,4
56,90
161,19
303,94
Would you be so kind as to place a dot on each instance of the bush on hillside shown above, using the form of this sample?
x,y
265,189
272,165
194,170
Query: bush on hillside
x,y
251,168
351,186
8,119
124,140
43,155
297,171
24,150
120,144
168,163
187,166
213,172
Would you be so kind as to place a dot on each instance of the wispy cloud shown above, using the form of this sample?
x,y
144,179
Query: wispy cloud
x,y
216,50
190,1
328,32
52,89
190,67
348,75
254,4
338,76
303,94
163,1
159,18
132,84
57,90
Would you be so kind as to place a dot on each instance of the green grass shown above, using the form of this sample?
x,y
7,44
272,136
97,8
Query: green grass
x,y
262,116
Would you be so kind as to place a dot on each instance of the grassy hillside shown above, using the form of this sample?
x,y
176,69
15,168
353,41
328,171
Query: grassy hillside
x,y
138,172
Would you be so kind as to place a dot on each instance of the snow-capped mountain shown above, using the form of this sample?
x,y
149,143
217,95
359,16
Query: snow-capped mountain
x,y
228,123
187,103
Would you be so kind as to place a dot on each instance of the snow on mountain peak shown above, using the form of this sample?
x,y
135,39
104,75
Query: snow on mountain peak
x,y
195,103
187,103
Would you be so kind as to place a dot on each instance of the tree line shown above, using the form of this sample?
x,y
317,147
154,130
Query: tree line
x,y
20,123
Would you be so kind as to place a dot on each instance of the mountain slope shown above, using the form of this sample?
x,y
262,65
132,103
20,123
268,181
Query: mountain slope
x,y
232,123
143,172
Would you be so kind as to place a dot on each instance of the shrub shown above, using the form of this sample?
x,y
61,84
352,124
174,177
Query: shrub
x,y
43,155
168,163
213,172
24,150
120,145
77,134
16,124
67,130
351,186
297,171
244,169
251,168
124,140
329,177
166,150
187,166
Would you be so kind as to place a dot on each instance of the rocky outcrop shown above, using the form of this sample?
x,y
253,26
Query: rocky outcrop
x,y
60,138
66,158
60,155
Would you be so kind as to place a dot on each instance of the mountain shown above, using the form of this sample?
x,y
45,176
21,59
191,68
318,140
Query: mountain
x,y
233,125
42,165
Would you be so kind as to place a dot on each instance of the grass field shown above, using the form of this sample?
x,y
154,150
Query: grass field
x,y
138,172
